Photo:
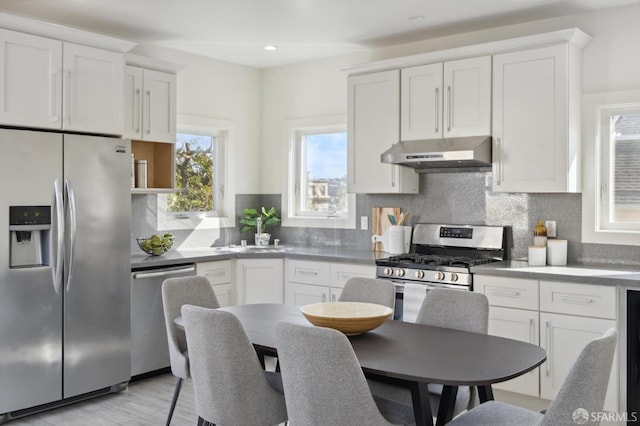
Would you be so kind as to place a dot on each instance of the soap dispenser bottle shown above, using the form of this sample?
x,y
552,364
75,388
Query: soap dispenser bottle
x,y
540,235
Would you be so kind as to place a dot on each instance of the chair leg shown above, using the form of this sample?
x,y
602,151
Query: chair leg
x,y
176,392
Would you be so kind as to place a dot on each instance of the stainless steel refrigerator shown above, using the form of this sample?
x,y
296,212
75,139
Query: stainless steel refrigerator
x,y
65,284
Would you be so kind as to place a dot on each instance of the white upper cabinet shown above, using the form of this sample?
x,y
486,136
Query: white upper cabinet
x,y
536,120
421,102
373,126
30,74
92,87
149,104
48,83
467,97
450,99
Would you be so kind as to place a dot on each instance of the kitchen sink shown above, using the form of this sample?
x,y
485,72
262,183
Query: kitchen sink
x,y
239,249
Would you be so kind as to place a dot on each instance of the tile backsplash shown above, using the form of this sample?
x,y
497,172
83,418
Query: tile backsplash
x,y
451,198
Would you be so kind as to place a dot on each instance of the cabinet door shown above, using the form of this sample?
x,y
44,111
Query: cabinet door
x,y
421,102
31,80
535,145
93,90
259,281
132,102
225,294
563,337
159,106
373,126
304,294
467,97
520,325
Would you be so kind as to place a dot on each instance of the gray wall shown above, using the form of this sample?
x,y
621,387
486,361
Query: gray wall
x,y
452,198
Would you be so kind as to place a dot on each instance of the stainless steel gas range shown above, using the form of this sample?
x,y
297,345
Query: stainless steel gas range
x,y
440,256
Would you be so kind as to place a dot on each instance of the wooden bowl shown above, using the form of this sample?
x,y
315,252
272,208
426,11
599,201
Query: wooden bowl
x,y
351,318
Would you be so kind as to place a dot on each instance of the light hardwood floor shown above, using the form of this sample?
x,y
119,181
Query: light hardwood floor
x,y
143,403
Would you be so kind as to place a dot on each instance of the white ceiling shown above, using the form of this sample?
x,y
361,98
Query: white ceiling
x,y
237,30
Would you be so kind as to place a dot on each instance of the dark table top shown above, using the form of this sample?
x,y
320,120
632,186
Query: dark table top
x,y
410,351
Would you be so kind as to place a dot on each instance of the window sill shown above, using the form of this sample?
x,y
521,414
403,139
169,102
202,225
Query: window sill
x,y
320,222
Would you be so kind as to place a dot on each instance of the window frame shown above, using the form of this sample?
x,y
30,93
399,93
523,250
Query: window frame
x,y
224,199
294,128
596,226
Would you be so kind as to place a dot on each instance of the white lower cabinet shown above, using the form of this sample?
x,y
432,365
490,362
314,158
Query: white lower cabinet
x,y
259,281
523,325
561,317
220,275
563,337
309,282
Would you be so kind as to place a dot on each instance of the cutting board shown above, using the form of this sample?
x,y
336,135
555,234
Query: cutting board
x,y
380,222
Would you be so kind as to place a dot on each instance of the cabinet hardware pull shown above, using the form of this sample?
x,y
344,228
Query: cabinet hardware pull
x,y
505,293
136,112
549,355
531,331
324,297
67,114
149,111
437,107
576,299
498,162
449,108
303,272
333,297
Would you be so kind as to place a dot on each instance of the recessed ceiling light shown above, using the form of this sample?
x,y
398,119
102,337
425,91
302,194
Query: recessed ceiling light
x,y
271,47
416,18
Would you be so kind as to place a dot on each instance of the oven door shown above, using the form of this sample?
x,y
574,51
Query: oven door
x,y
411,294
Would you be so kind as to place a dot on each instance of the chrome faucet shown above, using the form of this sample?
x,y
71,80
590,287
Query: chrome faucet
x,y
258,230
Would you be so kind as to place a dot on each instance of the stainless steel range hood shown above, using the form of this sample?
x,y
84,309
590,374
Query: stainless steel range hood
x,y
440,154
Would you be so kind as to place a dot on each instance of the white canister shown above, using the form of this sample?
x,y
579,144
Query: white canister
x,y
395,239
556,252
537,256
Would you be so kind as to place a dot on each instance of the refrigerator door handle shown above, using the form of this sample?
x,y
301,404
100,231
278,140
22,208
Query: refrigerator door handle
x,y
71,205
58,237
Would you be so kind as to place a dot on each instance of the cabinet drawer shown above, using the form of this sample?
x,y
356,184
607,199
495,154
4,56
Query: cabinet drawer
x,y
508,292
578,299
306,272
342,272
216,272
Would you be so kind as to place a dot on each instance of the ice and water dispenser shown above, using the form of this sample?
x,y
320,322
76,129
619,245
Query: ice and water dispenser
x,y
30,232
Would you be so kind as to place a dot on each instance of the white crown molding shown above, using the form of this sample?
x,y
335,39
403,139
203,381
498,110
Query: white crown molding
x,y
60,32
152,63
573,36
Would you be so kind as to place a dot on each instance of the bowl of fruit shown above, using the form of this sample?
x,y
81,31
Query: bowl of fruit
x,y
156,245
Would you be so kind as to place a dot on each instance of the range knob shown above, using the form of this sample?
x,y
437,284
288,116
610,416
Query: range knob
x,y
400,272
454,277
440,276
388,271
419,274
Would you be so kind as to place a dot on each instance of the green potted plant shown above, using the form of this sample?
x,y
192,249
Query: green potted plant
x,y
253,217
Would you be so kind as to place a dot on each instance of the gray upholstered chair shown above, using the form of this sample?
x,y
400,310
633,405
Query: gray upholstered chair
x,y
459,310
177,292
584,388
369,290
323,381
231,388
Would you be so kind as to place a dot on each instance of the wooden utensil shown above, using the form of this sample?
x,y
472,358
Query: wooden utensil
x,y
380,222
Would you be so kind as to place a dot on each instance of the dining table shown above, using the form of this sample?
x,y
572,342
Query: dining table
x,y
411,355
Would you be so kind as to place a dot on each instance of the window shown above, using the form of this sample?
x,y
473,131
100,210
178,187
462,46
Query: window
x,y
611,196
195,156
201,155
620,167
321,187
316,192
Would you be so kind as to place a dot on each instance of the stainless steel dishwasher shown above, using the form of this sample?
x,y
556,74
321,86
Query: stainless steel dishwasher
x,y
149,349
